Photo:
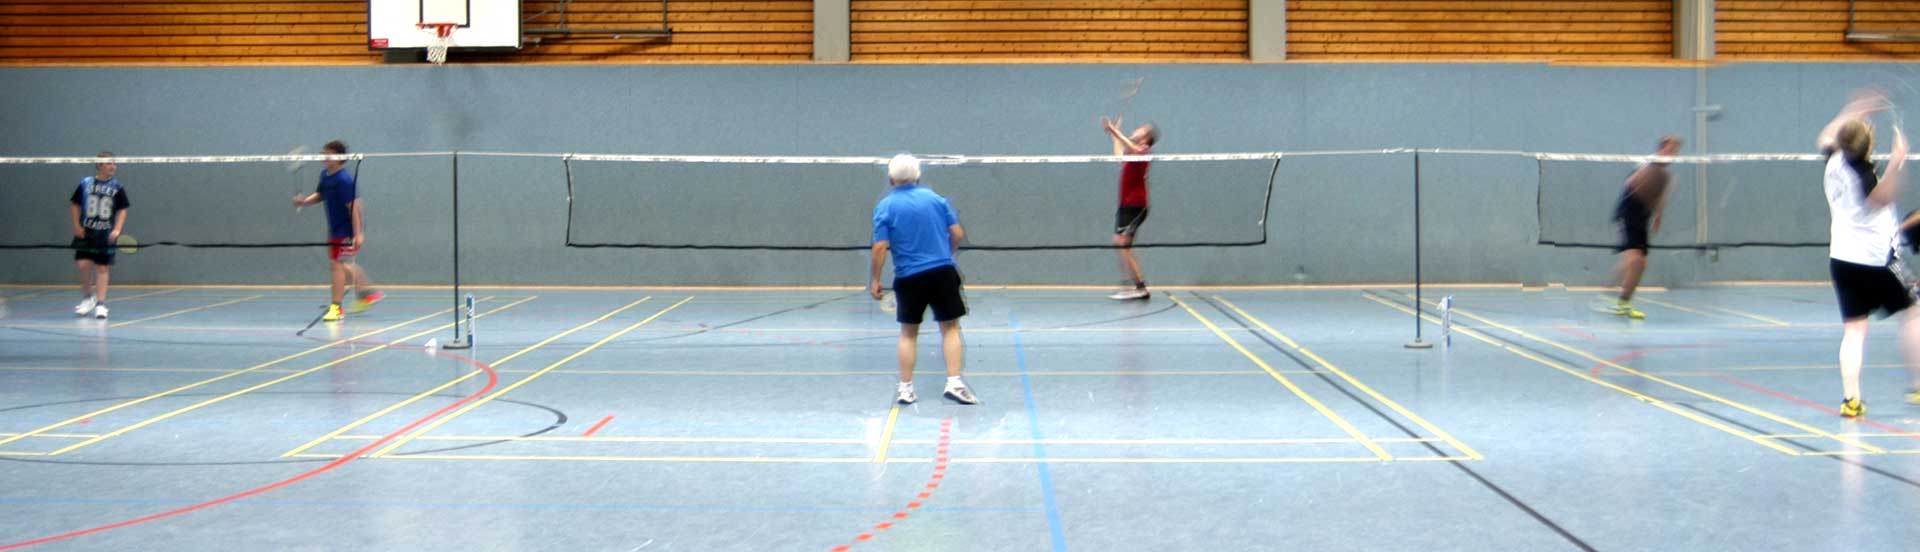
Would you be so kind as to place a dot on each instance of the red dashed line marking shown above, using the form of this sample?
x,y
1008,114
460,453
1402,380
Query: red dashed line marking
x,y
596,427
939,472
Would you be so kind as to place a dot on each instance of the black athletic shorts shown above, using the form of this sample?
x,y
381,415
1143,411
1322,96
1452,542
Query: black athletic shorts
x,y
95,247
1864,290
1634,218
1126,221
938,288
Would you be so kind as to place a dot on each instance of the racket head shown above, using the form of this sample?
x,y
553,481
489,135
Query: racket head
x,y
294,166
127,244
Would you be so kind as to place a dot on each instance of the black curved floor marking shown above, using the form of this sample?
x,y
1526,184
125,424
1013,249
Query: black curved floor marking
x,y
90,338
560,418
745,320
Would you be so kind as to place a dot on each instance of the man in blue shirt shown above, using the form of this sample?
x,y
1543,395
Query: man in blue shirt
x,y
345,233
920,229
98,212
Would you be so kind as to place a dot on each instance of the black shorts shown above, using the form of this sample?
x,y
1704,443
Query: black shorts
x,y
95,247
938,288
1633,235
1864,289
1126,221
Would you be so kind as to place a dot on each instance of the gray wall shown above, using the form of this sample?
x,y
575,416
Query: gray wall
x,y
1335,219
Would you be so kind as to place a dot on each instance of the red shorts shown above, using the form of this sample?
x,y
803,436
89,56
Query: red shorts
x,y
339,250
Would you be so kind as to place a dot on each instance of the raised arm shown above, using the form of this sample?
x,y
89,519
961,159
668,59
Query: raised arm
x,y
1863,103
1888,191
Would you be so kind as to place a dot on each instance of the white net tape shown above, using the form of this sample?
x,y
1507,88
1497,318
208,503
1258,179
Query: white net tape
x,y
933,159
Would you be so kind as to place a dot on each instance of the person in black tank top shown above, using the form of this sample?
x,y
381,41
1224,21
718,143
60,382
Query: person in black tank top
x,y
1638,214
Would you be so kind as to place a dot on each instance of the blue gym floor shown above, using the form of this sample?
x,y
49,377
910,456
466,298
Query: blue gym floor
x,y
696,419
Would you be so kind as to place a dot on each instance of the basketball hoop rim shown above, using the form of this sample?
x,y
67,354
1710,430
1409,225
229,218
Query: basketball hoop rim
x,y
442,29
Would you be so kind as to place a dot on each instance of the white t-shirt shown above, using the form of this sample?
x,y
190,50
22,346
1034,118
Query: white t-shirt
x,y
1860,234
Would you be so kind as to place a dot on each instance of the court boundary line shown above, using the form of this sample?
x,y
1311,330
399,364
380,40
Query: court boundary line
x,y
430,392
221,377
1364,388
1337,420
1582,374
276,381
435,424
183,311
1766,414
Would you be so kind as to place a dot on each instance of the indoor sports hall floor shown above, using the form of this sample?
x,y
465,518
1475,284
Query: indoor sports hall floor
x,y
693,419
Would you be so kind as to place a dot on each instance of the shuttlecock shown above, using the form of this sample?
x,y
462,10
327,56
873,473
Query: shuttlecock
x,y
433,345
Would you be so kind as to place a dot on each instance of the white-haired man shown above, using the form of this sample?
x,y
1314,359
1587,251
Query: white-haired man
x,y
920,229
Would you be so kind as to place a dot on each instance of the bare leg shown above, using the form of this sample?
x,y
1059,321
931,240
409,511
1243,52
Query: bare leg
x,y
100,284
951,347
1633,263
1910,345
1129,264
362,286
909,341
339,281
1853,341
85,268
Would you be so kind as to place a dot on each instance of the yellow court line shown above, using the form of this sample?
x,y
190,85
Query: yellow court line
x,y
1403,411
1865,435
171,289
864,460
264,385
628,439
1657,379
12,453
1297,391
886,436
775,373
1726,311
430,392
736,459
55,435
855,441
1678,307
82,369
184,311
436,423
194,385
1171,460
1529,355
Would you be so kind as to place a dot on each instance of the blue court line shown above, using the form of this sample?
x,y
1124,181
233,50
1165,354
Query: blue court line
x,y
30,501
1054,528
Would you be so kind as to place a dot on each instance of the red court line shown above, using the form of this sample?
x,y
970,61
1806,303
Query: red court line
x,y
1570,331
1816,406
933,484
596,427
1595,371
492,379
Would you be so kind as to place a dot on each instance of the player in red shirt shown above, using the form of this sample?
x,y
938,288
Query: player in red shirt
x,y
1133,201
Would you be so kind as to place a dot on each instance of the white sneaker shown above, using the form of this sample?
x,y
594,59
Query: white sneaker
x,y
84,307
1131,295
960,394
100,312
904,395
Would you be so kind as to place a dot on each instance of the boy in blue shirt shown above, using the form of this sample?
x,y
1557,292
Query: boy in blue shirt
x,y
345,233
920,229
99,212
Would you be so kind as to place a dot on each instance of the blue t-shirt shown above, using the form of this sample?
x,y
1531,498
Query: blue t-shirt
x,y
337,191
914,220
99,203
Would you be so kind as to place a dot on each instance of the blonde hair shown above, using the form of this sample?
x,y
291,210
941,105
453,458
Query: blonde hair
x,y
904,168
1855,137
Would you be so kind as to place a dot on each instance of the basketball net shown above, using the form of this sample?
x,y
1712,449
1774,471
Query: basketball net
x,y
443,37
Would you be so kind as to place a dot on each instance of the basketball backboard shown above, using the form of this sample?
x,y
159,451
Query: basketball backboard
x,y
478,23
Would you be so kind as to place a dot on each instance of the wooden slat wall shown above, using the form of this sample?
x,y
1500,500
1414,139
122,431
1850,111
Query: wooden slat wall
x,y
1811,30
1479,30
1044,30
335,32
706,32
